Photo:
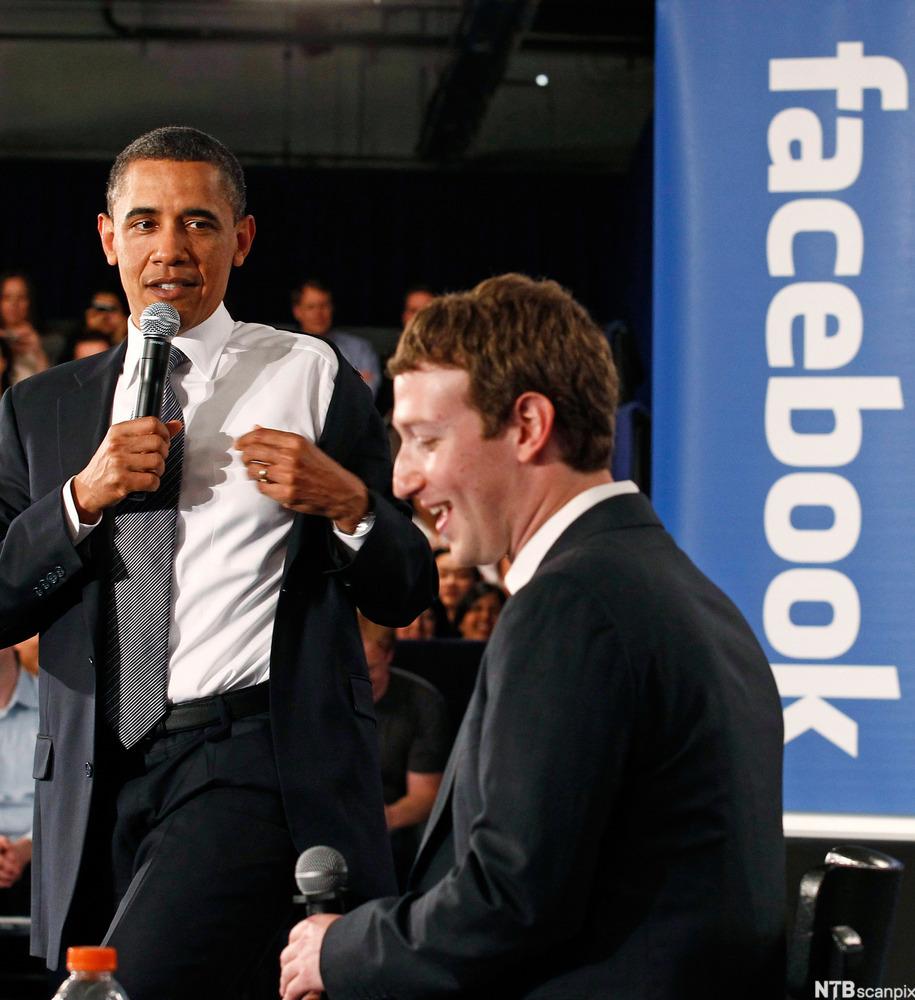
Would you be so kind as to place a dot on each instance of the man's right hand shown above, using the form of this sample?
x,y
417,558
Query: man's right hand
x,y
131,459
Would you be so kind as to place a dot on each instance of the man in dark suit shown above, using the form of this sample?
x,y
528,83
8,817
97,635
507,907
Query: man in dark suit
x,y
198,731
609,822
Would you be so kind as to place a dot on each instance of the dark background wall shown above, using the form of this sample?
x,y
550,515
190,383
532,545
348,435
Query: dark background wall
x,y
369,233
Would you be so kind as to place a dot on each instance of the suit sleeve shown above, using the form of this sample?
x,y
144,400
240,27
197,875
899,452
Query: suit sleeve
x,y
38,560
392,576
559,709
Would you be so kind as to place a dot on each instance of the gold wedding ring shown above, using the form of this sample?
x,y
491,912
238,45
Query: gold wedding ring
x,y
262,474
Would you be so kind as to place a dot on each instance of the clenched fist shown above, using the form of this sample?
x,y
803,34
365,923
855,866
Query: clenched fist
x,y
131,459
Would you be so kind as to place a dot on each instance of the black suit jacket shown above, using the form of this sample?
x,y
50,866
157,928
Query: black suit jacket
x,y
609,823
321,700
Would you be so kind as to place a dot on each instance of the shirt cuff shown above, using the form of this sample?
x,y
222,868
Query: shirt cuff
x,y
356,540
76,529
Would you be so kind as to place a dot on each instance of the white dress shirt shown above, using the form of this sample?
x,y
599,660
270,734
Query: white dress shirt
x,y
231,540
537,546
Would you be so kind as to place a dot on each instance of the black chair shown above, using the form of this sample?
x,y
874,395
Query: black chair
x,y
21,977
844,920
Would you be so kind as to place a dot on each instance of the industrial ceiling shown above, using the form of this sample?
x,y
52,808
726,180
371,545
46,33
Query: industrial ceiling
x,y
518,84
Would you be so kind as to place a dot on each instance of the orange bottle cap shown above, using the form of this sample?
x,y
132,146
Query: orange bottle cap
x,y
92,959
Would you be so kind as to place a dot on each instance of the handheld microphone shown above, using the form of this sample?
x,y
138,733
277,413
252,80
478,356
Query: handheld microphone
x,y
158,324
321,875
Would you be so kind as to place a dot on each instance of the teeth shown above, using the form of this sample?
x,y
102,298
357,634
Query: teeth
x,y
169,287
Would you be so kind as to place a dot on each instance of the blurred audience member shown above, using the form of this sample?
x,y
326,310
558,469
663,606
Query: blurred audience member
x,y
453,583
479,608
106,314
431,623
18,728
313,308
414,734
87,343
417,297
17,326
27,651
6,365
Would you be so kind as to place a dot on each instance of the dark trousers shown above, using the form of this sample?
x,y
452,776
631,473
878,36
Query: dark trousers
x,y
202,863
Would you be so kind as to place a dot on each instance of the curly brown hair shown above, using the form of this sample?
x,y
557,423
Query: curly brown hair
x,y
513,335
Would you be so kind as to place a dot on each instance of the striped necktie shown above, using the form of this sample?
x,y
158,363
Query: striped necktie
x,y
139,595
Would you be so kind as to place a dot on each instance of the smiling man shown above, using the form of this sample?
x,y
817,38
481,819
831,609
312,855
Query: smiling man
x,y
609,823
205,710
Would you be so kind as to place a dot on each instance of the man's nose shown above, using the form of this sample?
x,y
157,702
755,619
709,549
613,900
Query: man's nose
x,y
171,245
406,480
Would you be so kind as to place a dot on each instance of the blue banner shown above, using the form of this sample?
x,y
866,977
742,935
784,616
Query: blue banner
x,y
784,368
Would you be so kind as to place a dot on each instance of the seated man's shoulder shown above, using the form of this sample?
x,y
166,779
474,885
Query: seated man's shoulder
x,y
414,688
343,340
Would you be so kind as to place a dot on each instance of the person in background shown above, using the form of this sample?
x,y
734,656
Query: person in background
x,y
454,581
6,365
479,610
18,727
17,327
313,308
416,297
27,651
431,623
88,342
414,735
106,314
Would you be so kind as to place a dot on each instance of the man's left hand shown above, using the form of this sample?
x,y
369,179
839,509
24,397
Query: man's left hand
x,y
300,960
297,474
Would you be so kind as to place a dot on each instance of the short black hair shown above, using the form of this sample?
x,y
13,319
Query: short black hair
x,y
316,283
86,337
184,144
480,589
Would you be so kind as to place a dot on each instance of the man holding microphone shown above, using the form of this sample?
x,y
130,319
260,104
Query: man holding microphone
x,y
205,711
609,822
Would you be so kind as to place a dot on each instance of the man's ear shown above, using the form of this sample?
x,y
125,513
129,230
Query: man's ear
x,y
533,416
106,234
244,237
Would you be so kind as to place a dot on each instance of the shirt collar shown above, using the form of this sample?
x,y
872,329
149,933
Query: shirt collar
x,y
536,547
203,344
25,693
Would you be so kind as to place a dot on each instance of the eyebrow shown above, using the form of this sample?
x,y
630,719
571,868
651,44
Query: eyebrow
x,y
202,213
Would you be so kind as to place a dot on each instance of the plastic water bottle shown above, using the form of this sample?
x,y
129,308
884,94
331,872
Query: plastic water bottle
x,y
90,975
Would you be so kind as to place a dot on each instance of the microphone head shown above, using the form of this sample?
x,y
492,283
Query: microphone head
x,y
320,871
160,320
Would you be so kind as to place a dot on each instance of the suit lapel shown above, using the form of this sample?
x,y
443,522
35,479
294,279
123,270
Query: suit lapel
x,y
629,510
626,511
83,418
441,808
442,800
83,415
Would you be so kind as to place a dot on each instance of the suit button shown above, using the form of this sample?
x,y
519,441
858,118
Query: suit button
x,y
87,767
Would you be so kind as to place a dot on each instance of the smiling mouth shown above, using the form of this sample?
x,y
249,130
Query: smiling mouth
x,y
170,285
441,512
